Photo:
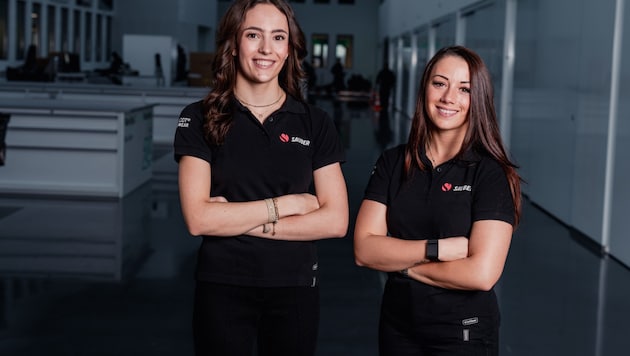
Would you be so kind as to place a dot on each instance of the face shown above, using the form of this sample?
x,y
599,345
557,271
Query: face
x,y
448,94
263,44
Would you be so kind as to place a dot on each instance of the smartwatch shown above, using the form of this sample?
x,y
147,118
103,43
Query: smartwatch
x,y
432,250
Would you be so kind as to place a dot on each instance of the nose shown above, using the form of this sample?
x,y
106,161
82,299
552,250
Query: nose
x,y
447,95
264,47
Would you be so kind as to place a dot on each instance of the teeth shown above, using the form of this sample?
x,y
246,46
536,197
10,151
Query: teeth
x,y
447,112
263,63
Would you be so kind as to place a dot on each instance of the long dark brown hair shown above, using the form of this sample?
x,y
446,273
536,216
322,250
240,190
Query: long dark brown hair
x,y
483,130
224,67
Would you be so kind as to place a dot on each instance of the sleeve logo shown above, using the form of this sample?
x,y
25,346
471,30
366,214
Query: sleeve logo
x,y
183,122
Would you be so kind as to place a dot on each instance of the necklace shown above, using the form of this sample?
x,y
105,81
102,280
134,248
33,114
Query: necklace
x,y
262,114
259,106
430,155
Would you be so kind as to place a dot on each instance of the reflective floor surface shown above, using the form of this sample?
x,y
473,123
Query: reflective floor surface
x,y
114,277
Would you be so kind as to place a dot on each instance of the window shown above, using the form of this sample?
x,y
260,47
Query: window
x,y
21,33
36,17
4,34
51,29
87,50
343,50
99,37
320,50
108,36
321,1
77,32
65,38
84,3
346,2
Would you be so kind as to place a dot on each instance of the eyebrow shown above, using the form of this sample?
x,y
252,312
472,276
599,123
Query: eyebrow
x,y
442,76
261,30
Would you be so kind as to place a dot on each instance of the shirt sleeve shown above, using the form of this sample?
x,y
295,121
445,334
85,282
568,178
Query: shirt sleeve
x,y
492,198
328,146
383,172
189,134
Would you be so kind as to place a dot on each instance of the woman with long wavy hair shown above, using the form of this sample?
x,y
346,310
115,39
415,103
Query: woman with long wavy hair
x,y
260,180
438,215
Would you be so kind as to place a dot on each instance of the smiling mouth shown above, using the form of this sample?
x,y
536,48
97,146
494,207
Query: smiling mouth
x,y
263,63
446,112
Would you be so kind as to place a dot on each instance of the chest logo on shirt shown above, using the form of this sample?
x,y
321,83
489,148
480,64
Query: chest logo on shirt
x,y
285,138
447,187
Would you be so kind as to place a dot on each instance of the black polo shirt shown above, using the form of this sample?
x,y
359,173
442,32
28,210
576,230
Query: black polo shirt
x,y
259,161
443,201
437,203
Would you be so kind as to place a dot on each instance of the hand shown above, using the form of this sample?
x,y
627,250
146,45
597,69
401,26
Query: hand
x,y
453,248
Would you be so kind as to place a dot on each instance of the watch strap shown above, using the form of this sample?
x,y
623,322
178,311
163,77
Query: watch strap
x,y
432,250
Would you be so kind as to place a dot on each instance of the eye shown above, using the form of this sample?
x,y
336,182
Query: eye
x,y
251,35
279,37
465,90
437,84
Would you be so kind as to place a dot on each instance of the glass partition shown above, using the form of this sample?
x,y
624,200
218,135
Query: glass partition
x,y
445,32
561,106
620,244
485,29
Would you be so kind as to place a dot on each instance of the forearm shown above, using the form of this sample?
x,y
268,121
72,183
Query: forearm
x,y
328,221
388,254
460,274
481,269
224,218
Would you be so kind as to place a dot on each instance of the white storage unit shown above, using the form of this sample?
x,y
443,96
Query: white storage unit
x,y
76,147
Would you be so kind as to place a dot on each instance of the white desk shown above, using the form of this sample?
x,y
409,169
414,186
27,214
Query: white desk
x,y
76,147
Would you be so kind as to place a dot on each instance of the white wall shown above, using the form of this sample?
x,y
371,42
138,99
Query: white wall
x,y
399,16
179,19
140,50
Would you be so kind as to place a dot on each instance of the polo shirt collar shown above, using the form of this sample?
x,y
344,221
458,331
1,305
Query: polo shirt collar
x,y
471,155
291,105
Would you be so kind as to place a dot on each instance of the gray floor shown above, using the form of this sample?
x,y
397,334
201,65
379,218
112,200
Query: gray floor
x,y
102,277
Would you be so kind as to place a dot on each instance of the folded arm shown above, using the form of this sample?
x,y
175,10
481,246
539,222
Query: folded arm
x,y
329,220
481,269
373,247
218,217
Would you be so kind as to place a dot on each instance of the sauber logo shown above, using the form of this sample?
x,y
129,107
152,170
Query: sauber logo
x,y
447,187
285,138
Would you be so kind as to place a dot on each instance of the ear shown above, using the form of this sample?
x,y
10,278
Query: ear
x,y
233,53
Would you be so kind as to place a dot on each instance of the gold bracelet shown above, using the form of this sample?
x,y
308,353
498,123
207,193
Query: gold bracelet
x,y
271,211
273,228
275,208
265,228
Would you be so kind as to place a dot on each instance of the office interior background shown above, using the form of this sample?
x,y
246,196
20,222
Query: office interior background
x,y
561,71
558,69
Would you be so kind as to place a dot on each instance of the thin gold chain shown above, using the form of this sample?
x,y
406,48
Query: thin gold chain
x,y
259,106
430,154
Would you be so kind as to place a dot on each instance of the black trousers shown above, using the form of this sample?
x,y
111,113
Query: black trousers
x,y
421,320
234,320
